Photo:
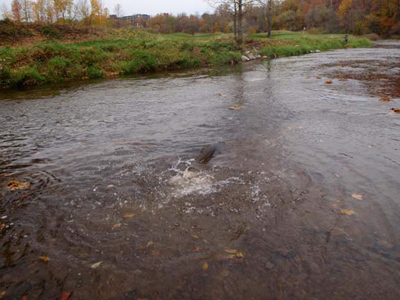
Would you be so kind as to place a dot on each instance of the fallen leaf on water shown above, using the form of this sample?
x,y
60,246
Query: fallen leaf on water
x,y
2,293
149,244
195,237
348,212
226,257
236,107
384,99
231,251
341,230
308,76
155,252
44,258
18,185
110,186
396,110
357,196
205,266
96,265
24,297
2,226
118,225
239,255
317,77
220,94
65,295
129,215
328,82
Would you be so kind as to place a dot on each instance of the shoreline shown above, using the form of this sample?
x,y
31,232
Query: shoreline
x,y
52,62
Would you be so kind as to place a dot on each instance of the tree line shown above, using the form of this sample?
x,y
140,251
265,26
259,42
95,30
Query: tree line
x,y
230,16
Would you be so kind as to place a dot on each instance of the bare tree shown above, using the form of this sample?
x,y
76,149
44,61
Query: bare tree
x,y
119,12
267,4
238,10
26,9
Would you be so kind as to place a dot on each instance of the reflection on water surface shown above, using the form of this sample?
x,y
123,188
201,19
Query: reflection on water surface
x,y
301,202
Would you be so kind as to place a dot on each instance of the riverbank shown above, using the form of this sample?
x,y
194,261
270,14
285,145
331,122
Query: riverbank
x,y
128,52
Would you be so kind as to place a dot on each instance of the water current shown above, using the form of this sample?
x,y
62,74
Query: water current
x,y
100,195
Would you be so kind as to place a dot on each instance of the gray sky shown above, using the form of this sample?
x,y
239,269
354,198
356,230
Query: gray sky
x,y
153,7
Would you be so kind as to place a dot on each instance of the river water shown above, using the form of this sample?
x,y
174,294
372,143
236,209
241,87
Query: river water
x,y
300,202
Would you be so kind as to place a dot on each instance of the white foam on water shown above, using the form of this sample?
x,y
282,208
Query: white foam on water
x,y
189,182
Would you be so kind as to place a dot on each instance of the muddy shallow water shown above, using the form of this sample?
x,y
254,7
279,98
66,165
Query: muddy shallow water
x,y
301,202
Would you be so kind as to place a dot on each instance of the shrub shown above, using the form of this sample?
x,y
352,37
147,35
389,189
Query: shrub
x,y
51,32
93,72
143,62
94,56
223,58
371,36
27,77
57,68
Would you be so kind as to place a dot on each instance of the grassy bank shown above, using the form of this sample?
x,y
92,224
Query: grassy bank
x,y
130,52
285,44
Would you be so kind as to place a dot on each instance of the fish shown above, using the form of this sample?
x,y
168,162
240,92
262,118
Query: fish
x,y
207,153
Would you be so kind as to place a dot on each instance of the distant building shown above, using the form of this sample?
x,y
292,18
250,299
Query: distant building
x,y
131,19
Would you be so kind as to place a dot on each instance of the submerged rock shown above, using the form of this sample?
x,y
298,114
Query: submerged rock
x,y
207,153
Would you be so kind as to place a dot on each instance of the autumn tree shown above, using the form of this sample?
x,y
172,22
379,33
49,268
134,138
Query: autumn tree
x,y
26,10
39,11
16,10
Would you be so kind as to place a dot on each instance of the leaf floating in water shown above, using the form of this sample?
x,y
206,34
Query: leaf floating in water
x,y
3,293
231,251
236,107
118,225
195,237
129,215
44,258
384,99
328,82
348,212
205,266
220,94
24,297
18,185
96,265
65,295
110,186
2,226
317,77
396,110
357,196
236,253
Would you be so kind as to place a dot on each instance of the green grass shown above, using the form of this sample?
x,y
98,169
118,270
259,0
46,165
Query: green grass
x,y
286,43
132,52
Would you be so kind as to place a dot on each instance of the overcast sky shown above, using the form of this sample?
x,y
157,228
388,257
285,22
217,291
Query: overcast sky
x,y
153,7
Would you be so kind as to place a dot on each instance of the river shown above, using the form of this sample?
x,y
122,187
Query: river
x,y
302,200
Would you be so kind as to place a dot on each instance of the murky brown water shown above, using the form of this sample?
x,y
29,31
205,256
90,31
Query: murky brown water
x,y
302,202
